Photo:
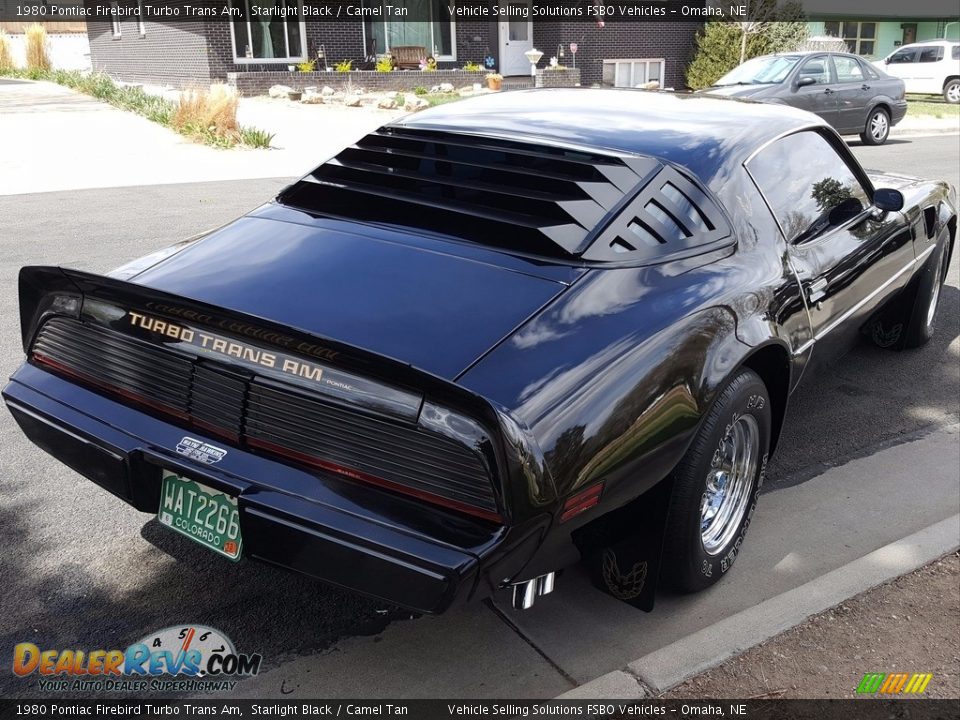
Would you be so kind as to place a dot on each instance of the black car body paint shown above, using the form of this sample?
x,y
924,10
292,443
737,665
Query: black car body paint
x,y
405,407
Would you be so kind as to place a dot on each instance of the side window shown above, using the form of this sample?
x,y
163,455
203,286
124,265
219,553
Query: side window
x,y
819,193
931,54
903,56
870,71
955,52
817,69
848,69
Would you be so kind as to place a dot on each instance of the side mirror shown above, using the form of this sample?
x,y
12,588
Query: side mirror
x,y
806,80
888,199
886,61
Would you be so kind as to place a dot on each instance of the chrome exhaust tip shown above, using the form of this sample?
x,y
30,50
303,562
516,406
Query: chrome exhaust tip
x,y
525,593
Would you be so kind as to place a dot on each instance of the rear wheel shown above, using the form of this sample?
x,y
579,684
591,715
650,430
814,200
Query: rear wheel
x,y
877,128
716,486
951,91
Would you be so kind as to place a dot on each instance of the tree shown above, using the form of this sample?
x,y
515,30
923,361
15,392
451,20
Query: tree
x,y
722,45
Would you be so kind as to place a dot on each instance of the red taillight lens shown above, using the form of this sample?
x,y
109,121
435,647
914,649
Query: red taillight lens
x,y
316,462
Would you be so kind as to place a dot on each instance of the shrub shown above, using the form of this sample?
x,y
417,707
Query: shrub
x,y
308,66
420,90
385,64
719,43
473,67
344,66
38,61
6,57
255,137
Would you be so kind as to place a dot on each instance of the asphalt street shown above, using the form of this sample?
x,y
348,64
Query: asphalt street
x,y
81,569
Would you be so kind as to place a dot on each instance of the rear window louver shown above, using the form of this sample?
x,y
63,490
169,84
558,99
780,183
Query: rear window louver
x,y
529,198
669,219
525,197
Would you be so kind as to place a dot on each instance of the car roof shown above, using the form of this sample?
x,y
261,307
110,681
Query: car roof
x,y
928,43
710,136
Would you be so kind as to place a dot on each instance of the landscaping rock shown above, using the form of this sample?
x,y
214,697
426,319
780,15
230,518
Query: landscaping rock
x,y
312,99
352,101
415,104
465,92
328,91
387,103
446,87
279,91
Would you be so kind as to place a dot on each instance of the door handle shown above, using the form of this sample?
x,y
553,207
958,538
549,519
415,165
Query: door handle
x,y
828,91
864,87
816,290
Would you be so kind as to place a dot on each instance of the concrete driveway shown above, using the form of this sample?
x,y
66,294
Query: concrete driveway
x,y
868,456
57,139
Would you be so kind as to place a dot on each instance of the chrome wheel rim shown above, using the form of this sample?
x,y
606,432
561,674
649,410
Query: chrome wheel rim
x,y
878,126
728,484
953,94
935,299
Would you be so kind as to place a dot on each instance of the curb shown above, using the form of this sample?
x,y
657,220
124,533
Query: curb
x,y
662,669
924,132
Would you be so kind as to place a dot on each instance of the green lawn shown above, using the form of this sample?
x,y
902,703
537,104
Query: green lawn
x,y
926,105
440,98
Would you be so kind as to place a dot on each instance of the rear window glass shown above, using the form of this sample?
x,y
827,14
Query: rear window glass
x,y
931,54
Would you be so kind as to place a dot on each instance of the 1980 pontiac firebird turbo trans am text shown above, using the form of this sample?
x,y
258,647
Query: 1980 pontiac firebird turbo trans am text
x,y
487,341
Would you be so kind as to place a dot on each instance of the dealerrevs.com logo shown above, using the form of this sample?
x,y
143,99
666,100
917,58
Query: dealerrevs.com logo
x,y
183,658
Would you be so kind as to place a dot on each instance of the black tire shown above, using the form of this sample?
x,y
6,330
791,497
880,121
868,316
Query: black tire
x,y
877,128
911,320
923,315
951,91
687,564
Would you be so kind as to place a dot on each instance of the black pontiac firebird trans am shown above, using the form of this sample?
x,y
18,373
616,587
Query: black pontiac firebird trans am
x,y
487,341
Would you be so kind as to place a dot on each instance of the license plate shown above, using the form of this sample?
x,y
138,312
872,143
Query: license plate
x,y
203,514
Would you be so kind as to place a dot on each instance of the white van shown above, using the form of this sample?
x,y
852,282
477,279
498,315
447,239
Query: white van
x,y
927,68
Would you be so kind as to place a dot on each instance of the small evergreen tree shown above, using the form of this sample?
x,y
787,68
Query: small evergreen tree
x,y
721,46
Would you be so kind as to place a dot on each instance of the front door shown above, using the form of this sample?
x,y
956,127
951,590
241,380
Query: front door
x,y
848,259
909,33
516,36
819,96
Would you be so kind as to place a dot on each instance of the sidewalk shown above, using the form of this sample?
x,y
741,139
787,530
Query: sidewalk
x,y
799,535
925,124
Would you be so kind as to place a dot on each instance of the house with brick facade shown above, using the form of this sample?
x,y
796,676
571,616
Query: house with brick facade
x,y
182,51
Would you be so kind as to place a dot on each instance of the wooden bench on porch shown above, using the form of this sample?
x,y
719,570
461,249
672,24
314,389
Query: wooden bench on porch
x,y
408,57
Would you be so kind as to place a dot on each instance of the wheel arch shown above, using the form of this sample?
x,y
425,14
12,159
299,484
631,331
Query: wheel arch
x,y
772,363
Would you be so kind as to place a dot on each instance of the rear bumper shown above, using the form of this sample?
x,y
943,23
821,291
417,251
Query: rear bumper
x,y
898,110
355,537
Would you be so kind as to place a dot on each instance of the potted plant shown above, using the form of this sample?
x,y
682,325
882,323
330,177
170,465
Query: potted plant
x,y
494,81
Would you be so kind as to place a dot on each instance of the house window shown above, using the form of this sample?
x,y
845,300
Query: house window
x,y
141,26
860,37
268,36
632,73
115,20
427,24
